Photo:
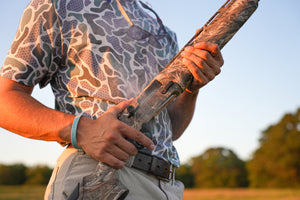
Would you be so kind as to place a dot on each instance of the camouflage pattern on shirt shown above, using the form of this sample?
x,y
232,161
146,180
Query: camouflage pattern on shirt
x,y
81,47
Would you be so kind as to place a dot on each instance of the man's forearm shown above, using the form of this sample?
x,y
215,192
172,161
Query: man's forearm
x,y
22,114
181,112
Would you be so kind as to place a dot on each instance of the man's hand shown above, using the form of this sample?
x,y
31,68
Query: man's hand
x,y
104,139
204,60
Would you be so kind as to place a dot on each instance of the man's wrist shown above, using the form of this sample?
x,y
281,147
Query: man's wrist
x,y
74,132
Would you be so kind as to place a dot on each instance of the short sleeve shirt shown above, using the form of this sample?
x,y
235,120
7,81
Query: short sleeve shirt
x,y
83,49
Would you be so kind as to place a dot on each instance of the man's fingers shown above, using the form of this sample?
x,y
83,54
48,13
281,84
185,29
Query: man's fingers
x,y
127,147
128,131
118,153
137,136
116,110
213,49
201,63
112,161
197,74
199,56
204,61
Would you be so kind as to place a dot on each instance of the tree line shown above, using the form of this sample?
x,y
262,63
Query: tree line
x,y
276,163
19,174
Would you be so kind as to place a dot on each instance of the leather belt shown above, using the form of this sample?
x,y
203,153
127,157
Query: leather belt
x,y
154,165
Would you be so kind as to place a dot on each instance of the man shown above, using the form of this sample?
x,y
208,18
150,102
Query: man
x,y
97,55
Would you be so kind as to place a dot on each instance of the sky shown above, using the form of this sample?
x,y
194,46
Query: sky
x,y
259,82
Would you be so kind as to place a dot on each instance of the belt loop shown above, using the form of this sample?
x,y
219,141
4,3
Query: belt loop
x,y
80,151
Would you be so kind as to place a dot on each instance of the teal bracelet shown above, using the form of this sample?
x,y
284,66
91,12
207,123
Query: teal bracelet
x,y
74,132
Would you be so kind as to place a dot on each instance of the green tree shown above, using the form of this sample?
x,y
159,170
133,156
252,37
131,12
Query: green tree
x,y
219,167
12,174
184,174
276,163
38,175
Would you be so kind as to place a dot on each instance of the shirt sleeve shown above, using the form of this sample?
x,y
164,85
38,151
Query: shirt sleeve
x,y
35,53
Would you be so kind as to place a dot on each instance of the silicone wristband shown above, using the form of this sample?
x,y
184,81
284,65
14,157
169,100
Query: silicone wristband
x,y
74,132
188,91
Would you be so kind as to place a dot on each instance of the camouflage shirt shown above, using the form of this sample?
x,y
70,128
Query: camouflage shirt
x,y
82,48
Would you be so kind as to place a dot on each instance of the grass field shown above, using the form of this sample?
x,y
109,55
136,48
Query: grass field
x,y
37,193
241,194
22,192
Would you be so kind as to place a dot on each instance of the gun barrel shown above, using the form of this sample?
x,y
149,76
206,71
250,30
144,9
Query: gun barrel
x,y
227,21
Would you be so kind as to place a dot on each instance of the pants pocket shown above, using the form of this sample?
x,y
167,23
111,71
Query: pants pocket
x,y
174,189
102,184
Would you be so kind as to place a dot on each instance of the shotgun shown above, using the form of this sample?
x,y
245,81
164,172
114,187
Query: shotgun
x,y
163,89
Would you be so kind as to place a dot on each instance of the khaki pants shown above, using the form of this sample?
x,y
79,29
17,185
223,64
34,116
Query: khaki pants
x,y
74,164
